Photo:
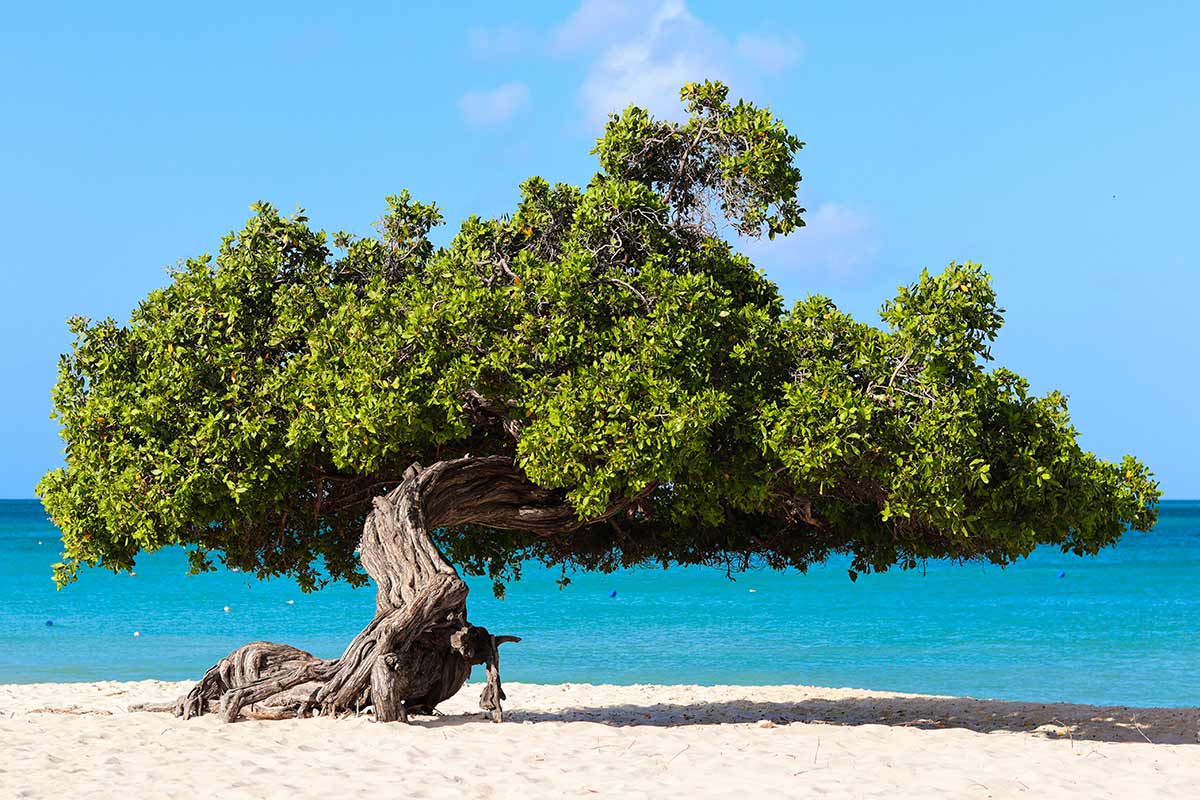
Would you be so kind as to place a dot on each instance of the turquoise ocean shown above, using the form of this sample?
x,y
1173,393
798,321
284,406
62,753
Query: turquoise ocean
x,y
1119,629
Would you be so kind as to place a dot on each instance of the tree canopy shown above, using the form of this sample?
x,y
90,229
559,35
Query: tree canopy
x,y
611,345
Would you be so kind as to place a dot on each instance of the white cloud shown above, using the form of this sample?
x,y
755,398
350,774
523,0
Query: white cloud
x,y
771,54
495,106
647,67
507,40
838,241
596,22
641,52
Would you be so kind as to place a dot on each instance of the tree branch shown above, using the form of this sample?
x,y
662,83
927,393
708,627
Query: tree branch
x,y
487,411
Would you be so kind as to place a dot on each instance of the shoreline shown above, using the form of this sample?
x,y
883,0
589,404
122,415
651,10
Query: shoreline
x,y
569,740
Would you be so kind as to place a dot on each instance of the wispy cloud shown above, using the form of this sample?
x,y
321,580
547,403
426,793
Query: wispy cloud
x,y
493,107
596,22
642,53
501,42
839,241
647,68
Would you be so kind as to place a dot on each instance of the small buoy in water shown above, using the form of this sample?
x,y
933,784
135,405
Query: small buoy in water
x,y
137,633
226,609
49,623
291,602
1062,574
613,593
754,591
39,542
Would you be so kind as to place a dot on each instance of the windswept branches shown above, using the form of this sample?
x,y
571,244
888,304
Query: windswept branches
x,y
626,386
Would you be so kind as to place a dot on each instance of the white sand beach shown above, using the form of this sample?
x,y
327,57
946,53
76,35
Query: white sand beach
x,y
79,740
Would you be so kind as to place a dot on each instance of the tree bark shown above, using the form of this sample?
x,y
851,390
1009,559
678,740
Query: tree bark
x,y
419,648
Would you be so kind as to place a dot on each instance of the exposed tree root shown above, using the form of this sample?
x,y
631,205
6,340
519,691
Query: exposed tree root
x,y
419,648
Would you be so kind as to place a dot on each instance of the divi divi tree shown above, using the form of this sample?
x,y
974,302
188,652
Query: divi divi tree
x,y
597,379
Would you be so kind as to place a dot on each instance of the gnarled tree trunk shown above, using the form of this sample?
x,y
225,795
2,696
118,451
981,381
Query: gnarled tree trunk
x,y
419,648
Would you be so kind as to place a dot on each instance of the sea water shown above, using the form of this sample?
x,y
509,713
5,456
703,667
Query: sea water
x,y
1122,628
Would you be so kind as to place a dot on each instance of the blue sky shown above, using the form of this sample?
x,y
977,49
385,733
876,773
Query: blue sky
x,y
1054,142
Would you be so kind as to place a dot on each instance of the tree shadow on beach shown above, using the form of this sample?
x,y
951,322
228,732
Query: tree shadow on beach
x,y
1051,720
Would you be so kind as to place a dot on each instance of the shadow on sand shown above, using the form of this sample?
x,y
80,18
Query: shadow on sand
x,y
1051,720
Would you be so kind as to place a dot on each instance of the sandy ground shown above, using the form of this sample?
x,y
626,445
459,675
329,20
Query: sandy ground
x,y
77,740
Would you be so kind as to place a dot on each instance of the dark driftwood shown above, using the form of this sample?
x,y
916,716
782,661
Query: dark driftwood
x,y
419,648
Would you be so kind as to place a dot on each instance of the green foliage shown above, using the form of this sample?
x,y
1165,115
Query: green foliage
x,y
254,406
737,157
919,451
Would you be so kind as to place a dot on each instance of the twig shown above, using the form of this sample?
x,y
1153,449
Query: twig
x,y
899,367
677,755
1067,728
618,282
